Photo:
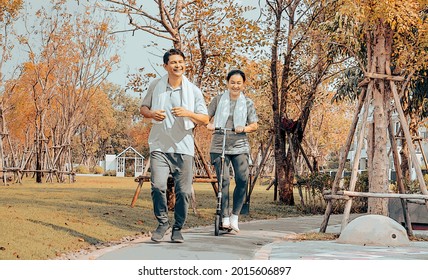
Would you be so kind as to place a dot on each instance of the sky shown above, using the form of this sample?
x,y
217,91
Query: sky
x,y
134,53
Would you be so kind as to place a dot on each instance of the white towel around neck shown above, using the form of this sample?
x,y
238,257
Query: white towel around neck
x,y
188,100
223,110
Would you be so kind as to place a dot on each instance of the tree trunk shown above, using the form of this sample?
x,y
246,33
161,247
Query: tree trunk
x,y
378,160
284,171
39,147
405,159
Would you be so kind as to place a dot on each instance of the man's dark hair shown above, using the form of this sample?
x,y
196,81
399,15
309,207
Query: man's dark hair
x,y
172,52
235,72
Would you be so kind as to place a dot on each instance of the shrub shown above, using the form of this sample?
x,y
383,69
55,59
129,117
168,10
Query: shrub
x,y
360,204
413,186
82,169
98,170
314,185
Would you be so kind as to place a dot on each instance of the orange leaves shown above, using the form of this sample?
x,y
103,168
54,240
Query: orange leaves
x,y
139,135
22,40
20,112
399,14
10,7
327,127
100,116
404,20
57,91
104,27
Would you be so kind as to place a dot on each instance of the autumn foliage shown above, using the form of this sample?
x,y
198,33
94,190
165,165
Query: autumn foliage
x,y
58,93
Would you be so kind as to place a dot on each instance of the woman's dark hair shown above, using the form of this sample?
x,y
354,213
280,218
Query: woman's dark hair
x,y
172,52
235,72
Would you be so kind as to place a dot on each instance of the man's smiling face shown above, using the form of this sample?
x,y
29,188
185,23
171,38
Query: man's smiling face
x,y
176,65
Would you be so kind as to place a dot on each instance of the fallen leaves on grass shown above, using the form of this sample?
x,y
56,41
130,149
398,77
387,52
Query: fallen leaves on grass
x,y
418,238
312,236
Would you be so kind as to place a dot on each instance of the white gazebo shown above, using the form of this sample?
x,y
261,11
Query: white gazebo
x,y
129,154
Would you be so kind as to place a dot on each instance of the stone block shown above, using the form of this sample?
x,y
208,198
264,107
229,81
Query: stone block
x,y
374,230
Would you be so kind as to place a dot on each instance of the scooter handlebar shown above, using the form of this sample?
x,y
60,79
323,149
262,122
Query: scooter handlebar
x,y
224,129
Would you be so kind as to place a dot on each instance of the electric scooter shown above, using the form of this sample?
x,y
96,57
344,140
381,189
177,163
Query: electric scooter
x,y
218,217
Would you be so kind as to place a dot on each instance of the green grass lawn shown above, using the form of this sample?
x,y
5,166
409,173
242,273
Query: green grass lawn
x,y
43,221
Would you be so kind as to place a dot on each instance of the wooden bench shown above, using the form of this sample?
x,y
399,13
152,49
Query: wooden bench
x,y
170,192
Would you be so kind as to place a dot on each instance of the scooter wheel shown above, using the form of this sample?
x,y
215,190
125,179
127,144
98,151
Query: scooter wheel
x,y
217,225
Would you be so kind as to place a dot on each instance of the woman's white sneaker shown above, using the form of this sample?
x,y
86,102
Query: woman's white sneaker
x,y
226,222
234,222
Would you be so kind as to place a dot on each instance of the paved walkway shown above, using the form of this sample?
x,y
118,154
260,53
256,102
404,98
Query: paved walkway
x,y
262,240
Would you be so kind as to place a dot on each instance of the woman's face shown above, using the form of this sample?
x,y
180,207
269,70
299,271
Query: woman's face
x,y
235,84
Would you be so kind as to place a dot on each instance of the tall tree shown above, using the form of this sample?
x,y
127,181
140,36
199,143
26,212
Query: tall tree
x,y
90,61
300,61
392,37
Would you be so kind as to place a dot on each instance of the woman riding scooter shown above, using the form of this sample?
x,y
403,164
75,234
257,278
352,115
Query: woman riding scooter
x,y
234,111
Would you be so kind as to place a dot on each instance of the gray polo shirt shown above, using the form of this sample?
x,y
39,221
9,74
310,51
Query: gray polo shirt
x,y
175,139
235,143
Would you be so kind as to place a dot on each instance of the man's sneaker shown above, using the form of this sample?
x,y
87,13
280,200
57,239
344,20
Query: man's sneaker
x,y
176,236
158,234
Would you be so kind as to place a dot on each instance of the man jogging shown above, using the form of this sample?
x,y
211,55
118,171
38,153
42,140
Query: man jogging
x,y
175,105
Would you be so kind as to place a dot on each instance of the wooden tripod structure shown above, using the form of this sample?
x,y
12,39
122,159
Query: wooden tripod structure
x,y
348,195
10,162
